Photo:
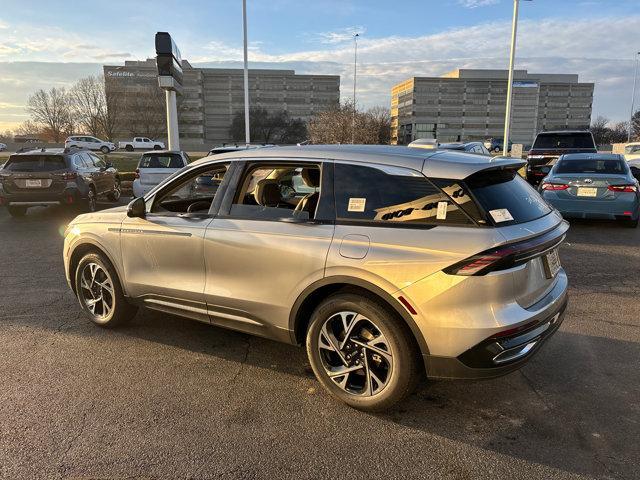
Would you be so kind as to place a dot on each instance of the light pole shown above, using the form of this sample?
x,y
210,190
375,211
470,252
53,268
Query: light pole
x,y
507,112
633,97
355,71
247,135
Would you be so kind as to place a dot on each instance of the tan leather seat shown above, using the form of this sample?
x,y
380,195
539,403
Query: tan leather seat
x,y
309,203
267,193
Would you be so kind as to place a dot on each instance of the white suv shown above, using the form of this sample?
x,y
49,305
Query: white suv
x,y
91,143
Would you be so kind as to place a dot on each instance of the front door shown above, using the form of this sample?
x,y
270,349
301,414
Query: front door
x,y
163,253
269,241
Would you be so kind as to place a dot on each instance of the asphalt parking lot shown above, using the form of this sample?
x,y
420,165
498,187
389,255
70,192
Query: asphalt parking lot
x,y
170,398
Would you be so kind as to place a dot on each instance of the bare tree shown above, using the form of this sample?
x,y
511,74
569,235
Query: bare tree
x,y
28,128
87,98
51,110
336,125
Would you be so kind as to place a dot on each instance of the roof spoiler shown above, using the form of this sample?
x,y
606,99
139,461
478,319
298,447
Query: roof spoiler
x,y
459,170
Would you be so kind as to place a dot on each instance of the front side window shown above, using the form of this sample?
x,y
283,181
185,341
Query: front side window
x,y
384,194
191,194
278,191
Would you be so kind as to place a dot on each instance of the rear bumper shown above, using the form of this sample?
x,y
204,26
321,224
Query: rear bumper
x,y
497,356
30,199
595,209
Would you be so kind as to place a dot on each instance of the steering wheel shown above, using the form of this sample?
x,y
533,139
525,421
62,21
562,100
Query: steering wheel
x,y
198,206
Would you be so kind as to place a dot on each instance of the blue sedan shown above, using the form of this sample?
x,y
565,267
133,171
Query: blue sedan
x,y
593,185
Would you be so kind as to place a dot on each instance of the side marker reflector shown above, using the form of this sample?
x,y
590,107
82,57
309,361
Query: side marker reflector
x,y
407,305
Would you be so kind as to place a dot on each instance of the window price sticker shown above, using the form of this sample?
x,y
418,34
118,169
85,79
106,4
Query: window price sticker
x,y
356,204
441,213
500,215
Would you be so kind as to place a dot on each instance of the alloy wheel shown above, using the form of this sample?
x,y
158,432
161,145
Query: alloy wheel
x,y
96,290
355,354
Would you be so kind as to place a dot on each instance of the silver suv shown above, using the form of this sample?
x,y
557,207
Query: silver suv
x,y
386,262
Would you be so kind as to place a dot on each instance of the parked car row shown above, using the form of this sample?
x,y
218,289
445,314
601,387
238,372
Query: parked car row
x,y
95,144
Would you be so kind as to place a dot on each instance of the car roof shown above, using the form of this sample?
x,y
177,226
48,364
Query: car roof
x,y
50,151
591,156
435,163
179,152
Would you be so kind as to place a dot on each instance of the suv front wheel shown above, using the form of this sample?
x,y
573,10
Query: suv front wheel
x,y
99,292
361,353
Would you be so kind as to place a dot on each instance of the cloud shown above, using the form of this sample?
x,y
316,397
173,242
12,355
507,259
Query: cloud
x,y
477,3
104,56
340,36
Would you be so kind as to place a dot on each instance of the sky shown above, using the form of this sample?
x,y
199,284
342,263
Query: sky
x,y
46,43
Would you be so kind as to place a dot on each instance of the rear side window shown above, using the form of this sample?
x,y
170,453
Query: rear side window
x,y
161,161
392,195
35,163
611,166
506,197
564,140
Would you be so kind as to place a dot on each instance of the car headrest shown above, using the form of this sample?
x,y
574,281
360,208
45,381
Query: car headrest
x,y
267,193
311,177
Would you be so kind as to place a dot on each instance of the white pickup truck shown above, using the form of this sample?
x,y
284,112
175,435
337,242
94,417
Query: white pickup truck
x,y
140,143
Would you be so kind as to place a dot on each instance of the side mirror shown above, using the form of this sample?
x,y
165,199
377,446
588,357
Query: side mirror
x,y
137,208
635,171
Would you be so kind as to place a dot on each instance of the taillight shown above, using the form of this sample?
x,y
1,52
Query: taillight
x,y
69,175
622,188
137,173
554,186
506,256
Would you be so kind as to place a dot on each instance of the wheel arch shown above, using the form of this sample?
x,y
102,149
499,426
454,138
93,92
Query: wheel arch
x,y
311,297
83,248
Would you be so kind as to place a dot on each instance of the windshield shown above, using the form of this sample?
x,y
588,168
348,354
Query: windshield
x,y
35,163
615,167
564,140
504,195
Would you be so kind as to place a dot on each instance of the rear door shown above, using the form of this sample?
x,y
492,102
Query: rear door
x,y
260,251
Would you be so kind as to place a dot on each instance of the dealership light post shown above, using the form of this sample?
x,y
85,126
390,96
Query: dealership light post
x,y
247,133
507,112
633,97
169,63
355,72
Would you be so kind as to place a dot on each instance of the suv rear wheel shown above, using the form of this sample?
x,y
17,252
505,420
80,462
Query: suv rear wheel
x,y
99,292
361,353
129,148
17,211
104,149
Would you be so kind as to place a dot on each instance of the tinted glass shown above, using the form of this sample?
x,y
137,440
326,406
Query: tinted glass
x,y
591,166
564,140
35,163
390,194
505,190
161,161
78,161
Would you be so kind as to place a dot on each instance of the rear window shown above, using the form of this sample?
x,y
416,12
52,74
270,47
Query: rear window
x,y
35,163
392,195
591,166
504,195
161,161
564,140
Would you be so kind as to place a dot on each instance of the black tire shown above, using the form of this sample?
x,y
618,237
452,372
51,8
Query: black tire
x,y
157,147
129,148
104,149
121,310
114,196
17,211
631,223
404,372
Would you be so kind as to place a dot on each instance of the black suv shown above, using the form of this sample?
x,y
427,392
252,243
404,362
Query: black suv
x,y
56,176
548,147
